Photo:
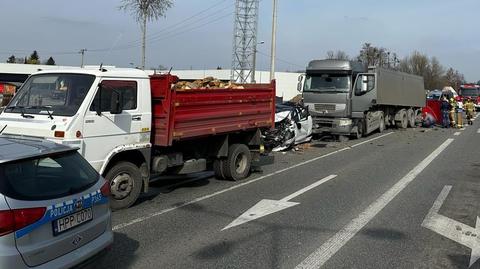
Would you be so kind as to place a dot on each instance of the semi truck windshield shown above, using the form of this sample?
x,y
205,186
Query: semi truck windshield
x,y
51,94
327,83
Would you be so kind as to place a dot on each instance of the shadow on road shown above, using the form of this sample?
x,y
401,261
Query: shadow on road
x,y
384,234
167,184
121,256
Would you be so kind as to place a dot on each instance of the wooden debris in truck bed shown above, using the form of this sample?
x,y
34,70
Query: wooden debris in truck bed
x,y
206,83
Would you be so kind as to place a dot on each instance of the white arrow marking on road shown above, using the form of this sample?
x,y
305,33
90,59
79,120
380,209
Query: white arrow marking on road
x,y
452,229
266,207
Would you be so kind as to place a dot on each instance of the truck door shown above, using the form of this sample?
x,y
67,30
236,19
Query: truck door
x,y
114,119
364,93
363,99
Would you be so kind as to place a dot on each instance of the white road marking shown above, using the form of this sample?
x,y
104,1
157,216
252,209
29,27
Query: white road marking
x,y
452,229
266,206
478,131
320,256
457,133
462,129
161,212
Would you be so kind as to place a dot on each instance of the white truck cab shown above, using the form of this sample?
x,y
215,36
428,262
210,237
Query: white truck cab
x,y
105,113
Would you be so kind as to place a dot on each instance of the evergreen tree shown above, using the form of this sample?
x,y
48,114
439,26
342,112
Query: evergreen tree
x,y
50,61
11,59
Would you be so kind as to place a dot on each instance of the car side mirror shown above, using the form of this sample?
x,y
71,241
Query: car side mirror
x,y
116,103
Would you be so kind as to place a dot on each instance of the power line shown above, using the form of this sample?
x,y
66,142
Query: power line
x,y
173,34
279,59
172,27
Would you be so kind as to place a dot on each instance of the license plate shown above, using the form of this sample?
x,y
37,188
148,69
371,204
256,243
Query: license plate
x,y
66,223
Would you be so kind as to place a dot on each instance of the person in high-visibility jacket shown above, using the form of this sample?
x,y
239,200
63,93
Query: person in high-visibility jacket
x,y
453,108
470,108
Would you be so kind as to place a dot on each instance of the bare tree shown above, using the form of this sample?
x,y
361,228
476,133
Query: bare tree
x,y
337,55
375,56
454,78
435,74
143,11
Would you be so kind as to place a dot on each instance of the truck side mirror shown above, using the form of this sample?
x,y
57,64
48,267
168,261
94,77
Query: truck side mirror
x,y
300,84
364,85
116,103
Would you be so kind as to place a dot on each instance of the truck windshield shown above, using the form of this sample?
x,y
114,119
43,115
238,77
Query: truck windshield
x,y
327,83
51,94
470,92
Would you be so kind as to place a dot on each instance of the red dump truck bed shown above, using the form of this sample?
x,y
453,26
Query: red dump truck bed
x,y
186,114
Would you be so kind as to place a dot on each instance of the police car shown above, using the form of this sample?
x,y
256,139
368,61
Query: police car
x,y
54,210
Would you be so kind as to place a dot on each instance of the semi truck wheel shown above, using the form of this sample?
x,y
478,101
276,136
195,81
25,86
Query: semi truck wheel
x,y
381,124
403,122
218,168
125,184
359,130
237,165
411,118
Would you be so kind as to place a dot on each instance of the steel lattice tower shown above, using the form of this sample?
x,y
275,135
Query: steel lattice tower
x,y
244,40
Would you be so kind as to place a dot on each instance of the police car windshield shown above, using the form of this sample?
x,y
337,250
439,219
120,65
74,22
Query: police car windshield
x,y
51,94
47,177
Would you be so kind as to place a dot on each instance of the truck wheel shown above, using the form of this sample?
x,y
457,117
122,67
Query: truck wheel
x,y
218,168
360,130
125,184
381,124
411,118
403,123
237,165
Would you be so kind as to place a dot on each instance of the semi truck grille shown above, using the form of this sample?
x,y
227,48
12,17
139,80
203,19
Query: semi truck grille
x,y
323,107
325,124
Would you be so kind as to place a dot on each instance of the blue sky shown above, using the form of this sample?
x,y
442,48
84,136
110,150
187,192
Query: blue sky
x,y
307,29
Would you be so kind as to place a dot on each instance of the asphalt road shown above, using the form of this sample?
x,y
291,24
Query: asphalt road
x,y
357,204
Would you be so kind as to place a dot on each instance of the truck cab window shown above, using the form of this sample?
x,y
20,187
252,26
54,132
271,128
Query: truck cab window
x,y
61,94
364,84
126,89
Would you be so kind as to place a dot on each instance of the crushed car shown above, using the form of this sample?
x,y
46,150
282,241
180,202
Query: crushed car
x,y
293,126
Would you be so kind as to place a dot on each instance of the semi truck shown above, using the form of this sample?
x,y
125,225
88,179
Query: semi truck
x,y
347,99
132,126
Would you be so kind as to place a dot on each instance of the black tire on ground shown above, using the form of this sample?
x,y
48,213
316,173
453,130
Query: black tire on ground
x,y
237,165
403,123
381,126
411,118
218,168
125,181
360,130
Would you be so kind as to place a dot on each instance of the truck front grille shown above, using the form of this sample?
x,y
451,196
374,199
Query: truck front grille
x,y
325,107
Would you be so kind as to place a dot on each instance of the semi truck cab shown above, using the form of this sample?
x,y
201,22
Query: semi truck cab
x,y
327,91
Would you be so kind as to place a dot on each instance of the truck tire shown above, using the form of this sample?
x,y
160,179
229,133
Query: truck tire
x,y
218,168
237,165
360,130
381,124
411,118
125,184
403,122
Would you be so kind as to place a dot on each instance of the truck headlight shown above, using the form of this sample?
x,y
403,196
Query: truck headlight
x,y
346,122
